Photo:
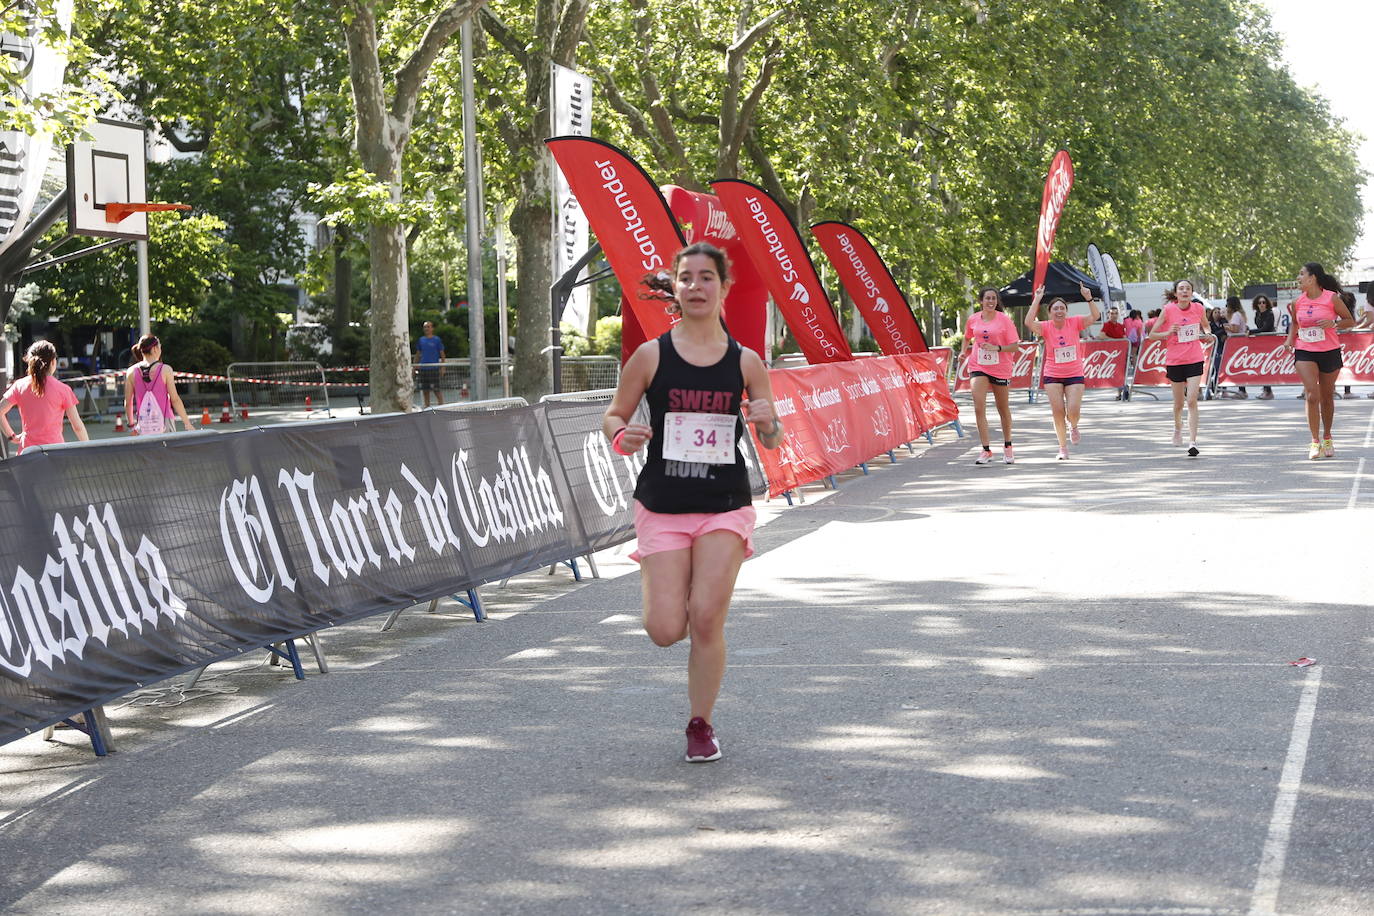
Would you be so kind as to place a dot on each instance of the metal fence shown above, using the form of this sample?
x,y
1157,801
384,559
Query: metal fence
x,y
589,373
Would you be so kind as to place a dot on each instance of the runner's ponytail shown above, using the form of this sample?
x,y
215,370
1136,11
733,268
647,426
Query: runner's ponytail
x,y
40,359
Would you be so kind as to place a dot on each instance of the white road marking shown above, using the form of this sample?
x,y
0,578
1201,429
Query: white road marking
x,y
1355,486
1369,431
1266,896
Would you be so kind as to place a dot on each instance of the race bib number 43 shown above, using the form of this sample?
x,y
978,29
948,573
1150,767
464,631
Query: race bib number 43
x,y
1312,335
708,438
1187,333
988,357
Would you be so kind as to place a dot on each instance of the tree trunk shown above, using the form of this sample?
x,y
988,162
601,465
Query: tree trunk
x,y
530,223
392,384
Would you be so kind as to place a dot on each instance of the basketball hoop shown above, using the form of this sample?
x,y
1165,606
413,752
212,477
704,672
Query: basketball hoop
x,y
116,212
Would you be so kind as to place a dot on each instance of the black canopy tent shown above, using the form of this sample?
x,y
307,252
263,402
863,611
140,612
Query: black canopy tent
x,y
1061,282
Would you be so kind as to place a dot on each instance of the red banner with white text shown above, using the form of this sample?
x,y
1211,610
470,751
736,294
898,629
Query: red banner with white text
x,y
1104,363
870,284
1022,370
630,218
1149,365
944,358
839,415
778,253
1058,183
1262,360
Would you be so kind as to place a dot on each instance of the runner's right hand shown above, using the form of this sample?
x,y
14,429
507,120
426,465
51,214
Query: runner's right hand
x,y
637,435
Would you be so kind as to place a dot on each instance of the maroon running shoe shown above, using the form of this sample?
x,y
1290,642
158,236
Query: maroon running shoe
x,y
702,745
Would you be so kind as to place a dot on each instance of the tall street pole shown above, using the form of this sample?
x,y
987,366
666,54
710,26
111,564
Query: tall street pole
x,y
472,168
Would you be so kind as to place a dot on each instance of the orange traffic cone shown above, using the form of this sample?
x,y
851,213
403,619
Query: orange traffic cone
x,y
243,412
464,392
307,404
205,417
226,416
119,423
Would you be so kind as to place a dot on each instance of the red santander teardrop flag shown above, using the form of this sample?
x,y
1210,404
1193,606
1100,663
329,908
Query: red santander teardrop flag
x,y
629,216
776,249
869,283
1058,183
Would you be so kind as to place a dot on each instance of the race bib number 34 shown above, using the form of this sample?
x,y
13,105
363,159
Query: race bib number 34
x,y
1312,335
704,437
1187,333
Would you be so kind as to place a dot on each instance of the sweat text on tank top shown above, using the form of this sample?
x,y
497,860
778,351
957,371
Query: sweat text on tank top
x,y
689,395
152,404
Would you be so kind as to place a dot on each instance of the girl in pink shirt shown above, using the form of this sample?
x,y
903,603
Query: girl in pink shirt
x,y
1184,327
1317,315
42,401
1062,376
990,344
150,392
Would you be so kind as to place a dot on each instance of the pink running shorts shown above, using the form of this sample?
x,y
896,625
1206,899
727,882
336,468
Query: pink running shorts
x,y
659,531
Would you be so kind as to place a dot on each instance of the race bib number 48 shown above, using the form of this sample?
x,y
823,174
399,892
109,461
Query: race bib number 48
x,y
1065,354
1187,333
1312,335
708,438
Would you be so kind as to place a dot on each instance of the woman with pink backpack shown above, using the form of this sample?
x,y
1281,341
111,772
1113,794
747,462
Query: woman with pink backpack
x,y
150,392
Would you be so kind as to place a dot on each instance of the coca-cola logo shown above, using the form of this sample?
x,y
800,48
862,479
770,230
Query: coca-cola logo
x,y
1259,360
1057,188
1105,364
1025,359
1359,361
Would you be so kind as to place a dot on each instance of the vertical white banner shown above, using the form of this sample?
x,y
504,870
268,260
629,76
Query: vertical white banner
x,y
24,157
571,112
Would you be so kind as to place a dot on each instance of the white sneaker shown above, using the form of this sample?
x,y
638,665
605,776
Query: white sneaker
x,y
985,458
1063,455
1007,456
1192,450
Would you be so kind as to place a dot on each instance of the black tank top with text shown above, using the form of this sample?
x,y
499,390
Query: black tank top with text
x,y
677,487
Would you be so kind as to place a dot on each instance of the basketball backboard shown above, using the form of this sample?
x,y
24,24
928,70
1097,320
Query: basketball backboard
x,y
109,168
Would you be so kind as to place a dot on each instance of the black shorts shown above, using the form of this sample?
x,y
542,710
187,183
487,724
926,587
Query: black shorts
x,y
1072,380
1183,371
1326,360
991,378
429,378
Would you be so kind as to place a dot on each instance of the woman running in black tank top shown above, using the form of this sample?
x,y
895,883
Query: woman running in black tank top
x,y
693,511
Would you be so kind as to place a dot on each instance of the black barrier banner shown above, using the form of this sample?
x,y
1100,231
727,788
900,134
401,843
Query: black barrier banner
x,y
126,563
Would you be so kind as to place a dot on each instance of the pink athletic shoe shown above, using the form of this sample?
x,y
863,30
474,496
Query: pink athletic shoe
x,y
1073,435
702,745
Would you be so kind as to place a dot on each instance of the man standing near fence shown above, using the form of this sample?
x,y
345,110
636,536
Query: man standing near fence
x,y
429,353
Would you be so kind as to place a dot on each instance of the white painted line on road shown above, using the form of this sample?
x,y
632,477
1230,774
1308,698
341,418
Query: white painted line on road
x,y
1369,431
234,720
1355,487
1266,896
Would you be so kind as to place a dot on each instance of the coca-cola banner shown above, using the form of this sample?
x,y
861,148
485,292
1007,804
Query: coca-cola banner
x,y
869,283
1022,370
1058,183
126,562
776,249
1263,360
1149,364
840,415
631,220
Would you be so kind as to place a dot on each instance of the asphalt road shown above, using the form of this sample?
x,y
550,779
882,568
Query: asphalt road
x,y
1055,687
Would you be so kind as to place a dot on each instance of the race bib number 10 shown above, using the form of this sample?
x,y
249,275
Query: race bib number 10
x,y
1066,354
708,438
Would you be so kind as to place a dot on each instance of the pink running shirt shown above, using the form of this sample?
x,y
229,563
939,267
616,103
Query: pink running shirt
x,y
1182,352
1063,350
41,415
1311,311
999,332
